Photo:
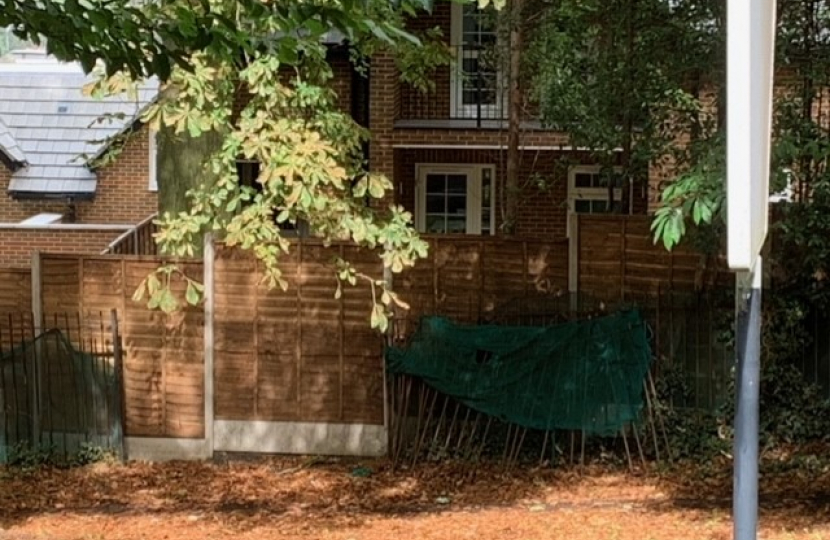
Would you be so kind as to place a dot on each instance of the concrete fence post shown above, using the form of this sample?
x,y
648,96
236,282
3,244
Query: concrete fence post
x,y
209,279
573,260
37,322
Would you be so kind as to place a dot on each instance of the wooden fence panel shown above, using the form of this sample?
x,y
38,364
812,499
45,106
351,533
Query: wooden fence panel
x,y
361,364
60,284
15,290
468,279
163,354
301,354
618,259
235,346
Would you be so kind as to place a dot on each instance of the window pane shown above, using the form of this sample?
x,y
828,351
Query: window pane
x,y
485,222
582,206
436,183
456,205
485,190
457,225
436,204
599,207
457,183
435,224
470,66
486,201
582,180
485,96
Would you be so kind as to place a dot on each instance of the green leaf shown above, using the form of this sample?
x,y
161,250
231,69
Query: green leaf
x,y
153,284
139,292
361,187
379,320
167,302
376,188
192,295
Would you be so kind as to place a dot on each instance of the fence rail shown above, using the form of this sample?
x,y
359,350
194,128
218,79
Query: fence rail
x,y
140,240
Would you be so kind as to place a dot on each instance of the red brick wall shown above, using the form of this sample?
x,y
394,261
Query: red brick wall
x,y
17,245
542,212
122,195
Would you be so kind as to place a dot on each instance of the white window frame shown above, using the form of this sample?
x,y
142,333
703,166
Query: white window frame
x,y
152,157
457,106
589,194
473,212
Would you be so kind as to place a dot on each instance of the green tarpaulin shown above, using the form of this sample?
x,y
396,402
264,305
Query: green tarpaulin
x,y
583,375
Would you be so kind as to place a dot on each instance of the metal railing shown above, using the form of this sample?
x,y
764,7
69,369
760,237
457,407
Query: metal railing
x,y
472,91
139,240
60,386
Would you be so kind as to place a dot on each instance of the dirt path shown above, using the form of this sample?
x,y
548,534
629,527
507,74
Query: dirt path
x,y
340,500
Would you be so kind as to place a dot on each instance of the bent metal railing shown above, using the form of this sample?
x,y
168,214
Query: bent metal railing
x,y
139,240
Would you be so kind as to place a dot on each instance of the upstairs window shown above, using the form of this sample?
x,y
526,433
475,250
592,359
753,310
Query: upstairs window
x,y
477,85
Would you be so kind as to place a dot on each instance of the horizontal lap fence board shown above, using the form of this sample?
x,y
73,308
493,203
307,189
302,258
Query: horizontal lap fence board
x,y
467,278
617,258
685,295
300,355
163,354
15,290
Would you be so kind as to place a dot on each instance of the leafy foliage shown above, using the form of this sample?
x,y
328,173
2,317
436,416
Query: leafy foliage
x,y
27,458
793,410
153,38
697,192
211,52
312,167
612,75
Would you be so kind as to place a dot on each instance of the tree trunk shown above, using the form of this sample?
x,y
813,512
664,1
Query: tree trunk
x,y
628,115
514,111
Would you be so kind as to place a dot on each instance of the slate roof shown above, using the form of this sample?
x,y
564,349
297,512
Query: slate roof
x,y
9,146
49,124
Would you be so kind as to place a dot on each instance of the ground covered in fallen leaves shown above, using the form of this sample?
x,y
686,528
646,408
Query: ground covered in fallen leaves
x,y
368,500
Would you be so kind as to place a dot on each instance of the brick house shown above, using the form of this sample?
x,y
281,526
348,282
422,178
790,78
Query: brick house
x,y
54,196
446,150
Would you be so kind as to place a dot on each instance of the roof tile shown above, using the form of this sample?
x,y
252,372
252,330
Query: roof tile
x,y
45,122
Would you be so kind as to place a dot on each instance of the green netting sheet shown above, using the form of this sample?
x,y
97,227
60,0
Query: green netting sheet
x,y
582,375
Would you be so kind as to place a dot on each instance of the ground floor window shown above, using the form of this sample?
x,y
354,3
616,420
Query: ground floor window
x,y
588,190
455,199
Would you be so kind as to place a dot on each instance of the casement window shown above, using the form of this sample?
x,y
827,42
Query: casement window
x,y
477,85
248,172
588,190
455,199
152,165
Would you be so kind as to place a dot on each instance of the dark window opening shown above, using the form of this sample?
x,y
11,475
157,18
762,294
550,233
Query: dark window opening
x,y
248,172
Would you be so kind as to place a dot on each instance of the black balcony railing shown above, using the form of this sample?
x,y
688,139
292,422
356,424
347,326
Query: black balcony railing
x,y
471,92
